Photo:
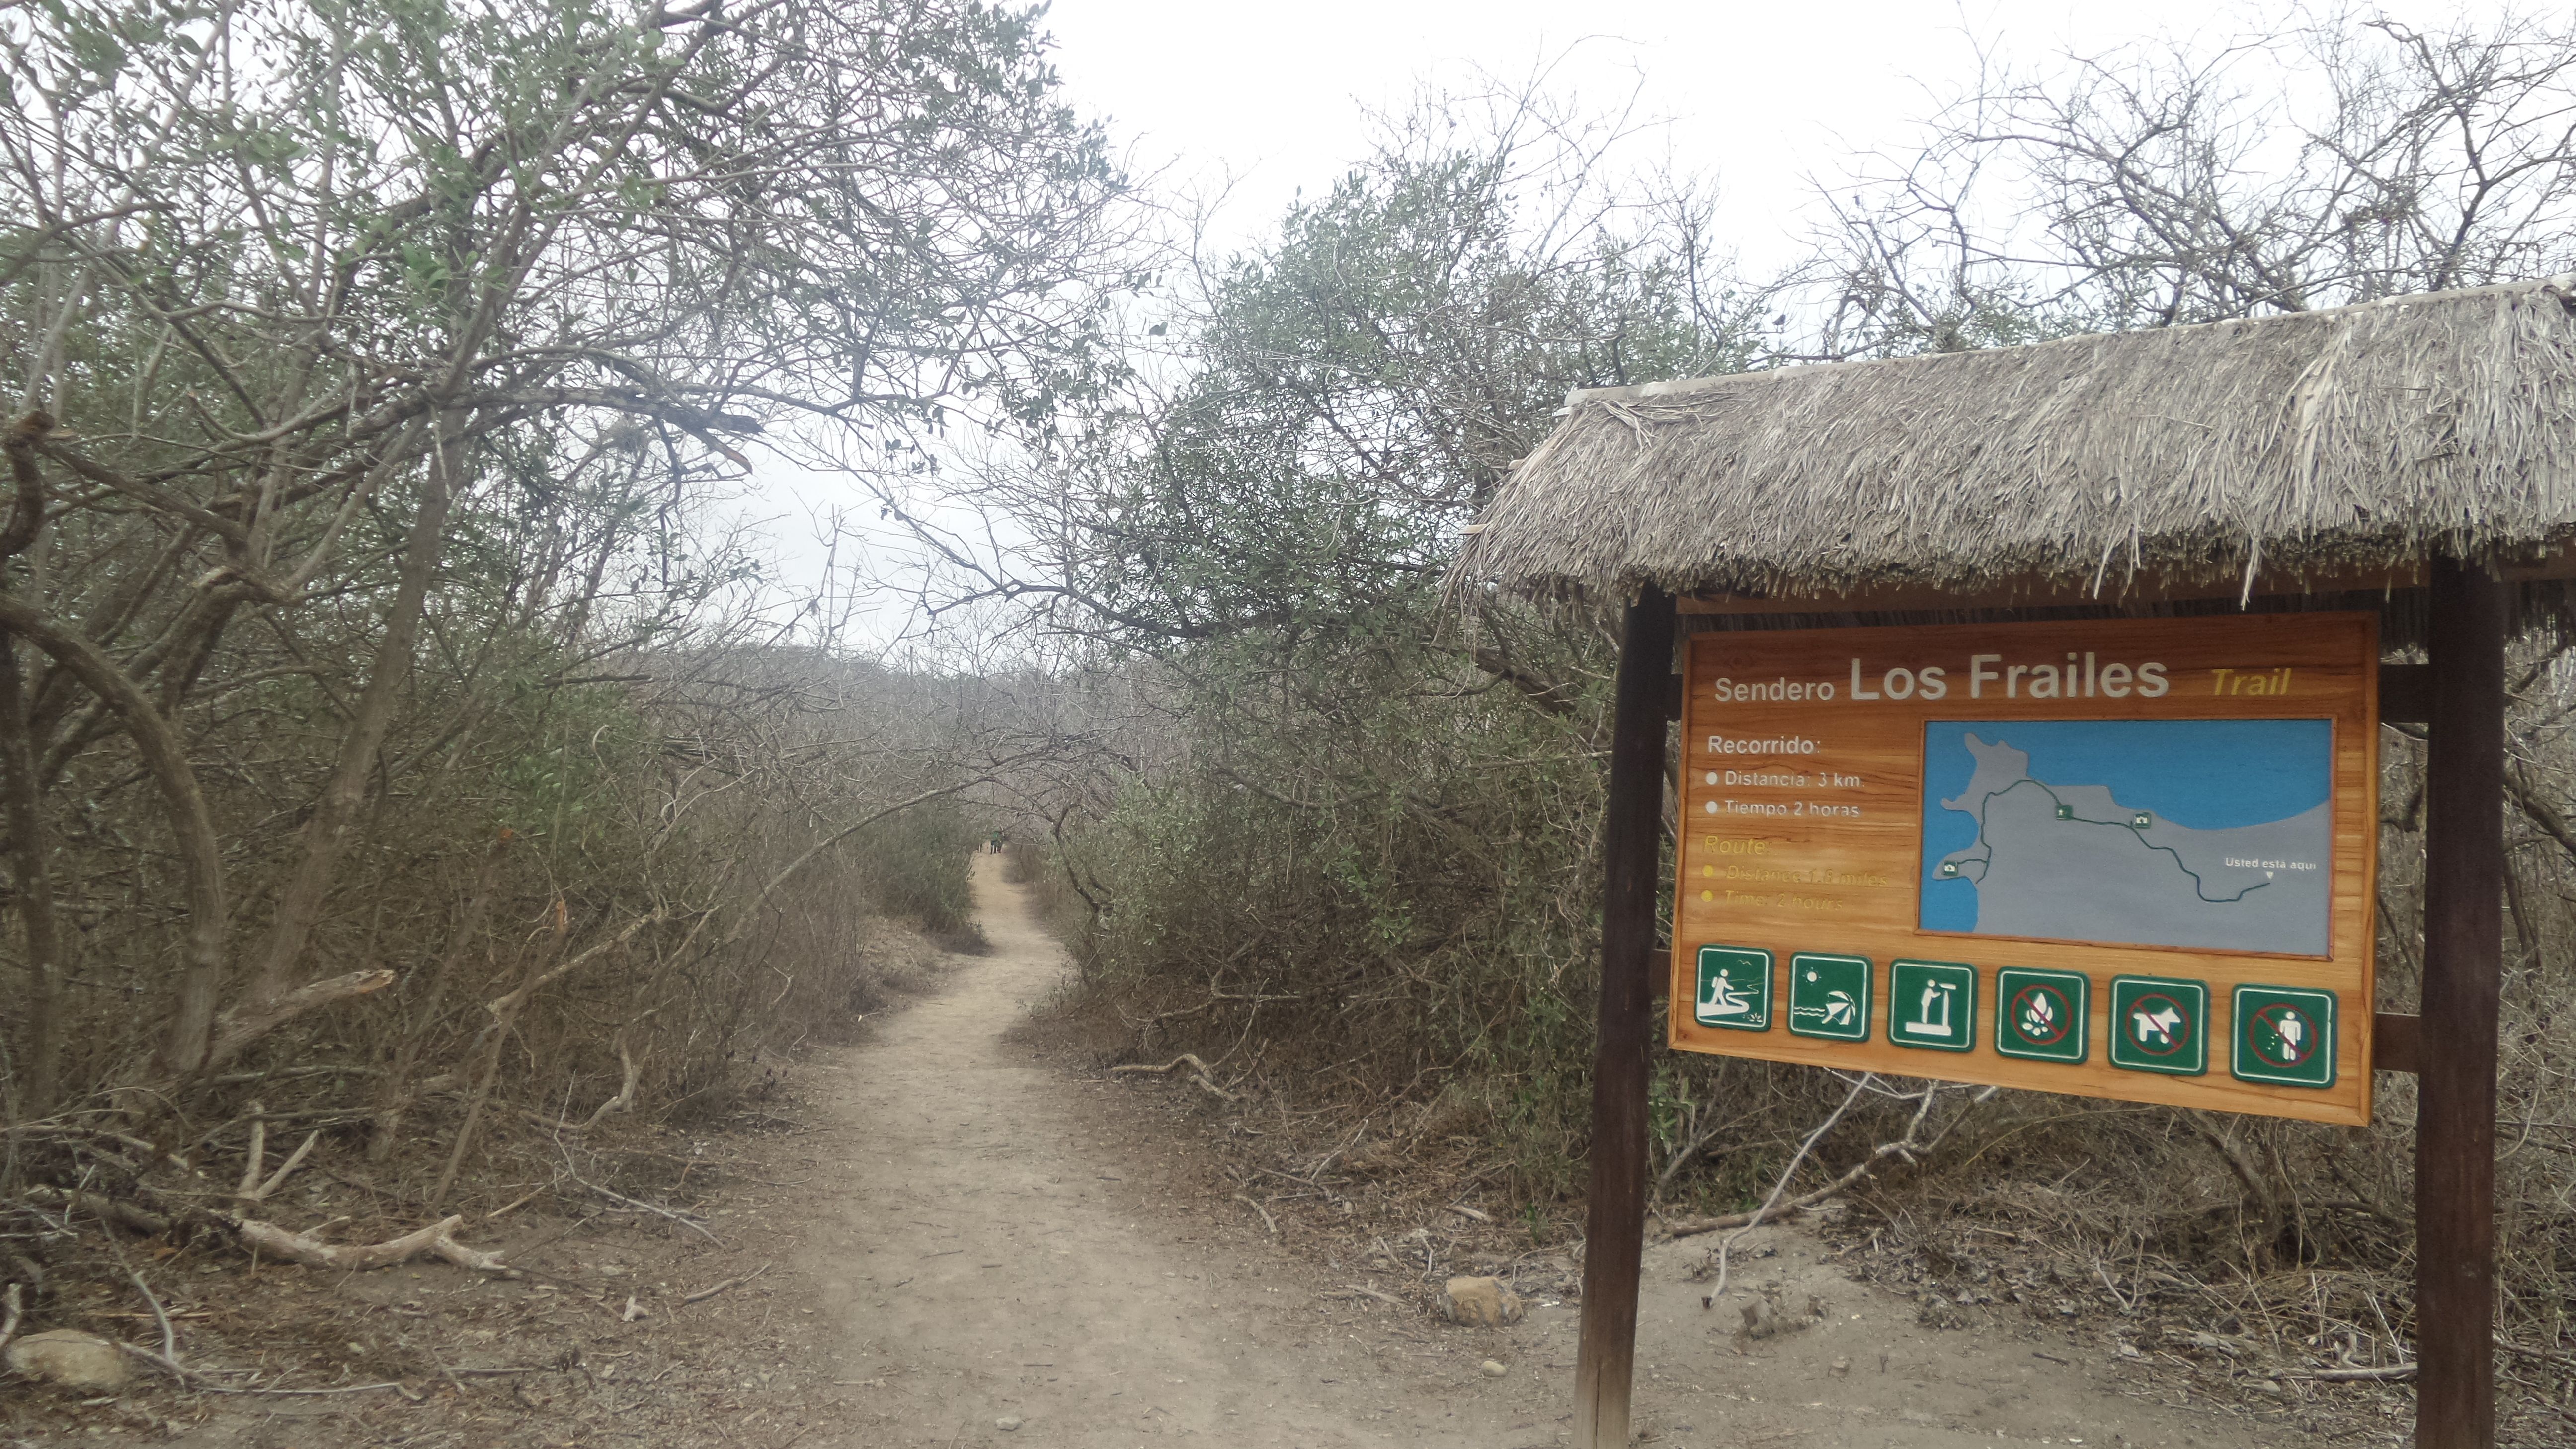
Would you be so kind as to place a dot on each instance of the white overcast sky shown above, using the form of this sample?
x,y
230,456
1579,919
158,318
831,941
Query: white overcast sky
x,y
1262,102
1757,96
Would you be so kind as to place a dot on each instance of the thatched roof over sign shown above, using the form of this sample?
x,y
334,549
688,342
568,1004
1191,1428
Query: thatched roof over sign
x,y
2295,453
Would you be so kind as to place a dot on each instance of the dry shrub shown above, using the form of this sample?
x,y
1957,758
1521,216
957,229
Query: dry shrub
x,y
1023,862
1403,924
625,837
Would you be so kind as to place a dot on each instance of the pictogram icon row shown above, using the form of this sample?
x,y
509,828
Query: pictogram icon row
x,y
2282,1035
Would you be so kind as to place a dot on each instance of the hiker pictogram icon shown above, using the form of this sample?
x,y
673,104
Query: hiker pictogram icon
x,y
1734,988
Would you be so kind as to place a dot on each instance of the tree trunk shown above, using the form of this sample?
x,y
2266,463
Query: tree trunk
x,y
192,825
21,796
326,833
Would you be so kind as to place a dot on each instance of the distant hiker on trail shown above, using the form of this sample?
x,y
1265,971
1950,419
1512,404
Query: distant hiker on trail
x,y
996,841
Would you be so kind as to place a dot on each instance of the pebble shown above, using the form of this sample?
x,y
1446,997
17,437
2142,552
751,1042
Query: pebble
x,y
68,1358
1007,1422
1492,1369
1481,1302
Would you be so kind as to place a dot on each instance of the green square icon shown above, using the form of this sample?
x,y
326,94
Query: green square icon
x,y
2159,1025
1932,1004
2040,1015
1829,996
1734,988
2284,1035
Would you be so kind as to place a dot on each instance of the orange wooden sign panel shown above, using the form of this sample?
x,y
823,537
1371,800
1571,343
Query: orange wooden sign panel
x,y
2115,858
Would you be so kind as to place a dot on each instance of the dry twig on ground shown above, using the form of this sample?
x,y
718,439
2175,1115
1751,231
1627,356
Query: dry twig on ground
x,y
727,1286
435,1239
1198,1073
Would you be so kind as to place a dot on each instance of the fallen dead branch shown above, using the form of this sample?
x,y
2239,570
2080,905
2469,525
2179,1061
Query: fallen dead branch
x,y
2381,1374
169,1334
167,1365
727,1286
1198,1073
1905,1148
9,1324
522,1200
253,1188
51,1128
190,1378
1357,1290
625,1097
435,1240
624,1100
1266,1219
2524,1350
102,1207
639,1205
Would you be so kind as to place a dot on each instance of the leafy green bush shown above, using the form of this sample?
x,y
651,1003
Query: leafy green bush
x,y
915,867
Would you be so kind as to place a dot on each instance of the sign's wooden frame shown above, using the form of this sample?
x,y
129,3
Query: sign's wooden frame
x,y
2458,695
1838,874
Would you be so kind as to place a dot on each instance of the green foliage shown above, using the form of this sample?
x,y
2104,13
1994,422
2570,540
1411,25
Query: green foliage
x,y
1384,833
914,866
1356,390
568,757
394,358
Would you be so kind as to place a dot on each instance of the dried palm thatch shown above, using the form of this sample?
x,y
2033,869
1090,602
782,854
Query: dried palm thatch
x,y
2311,450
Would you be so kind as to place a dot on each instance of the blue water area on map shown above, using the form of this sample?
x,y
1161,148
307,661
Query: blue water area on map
x,y
2206,774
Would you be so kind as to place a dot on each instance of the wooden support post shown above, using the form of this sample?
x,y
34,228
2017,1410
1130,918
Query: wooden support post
x,y
2463,949
1615,1233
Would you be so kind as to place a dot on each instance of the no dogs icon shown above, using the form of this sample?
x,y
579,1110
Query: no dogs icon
x,y
2158,1025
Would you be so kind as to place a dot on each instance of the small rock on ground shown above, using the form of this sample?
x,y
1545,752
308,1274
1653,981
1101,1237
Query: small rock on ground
x,y
1481,1302
67,1358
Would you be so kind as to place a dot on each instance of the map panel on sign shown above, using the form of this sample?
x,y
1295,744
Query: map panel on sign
x,y
2206,833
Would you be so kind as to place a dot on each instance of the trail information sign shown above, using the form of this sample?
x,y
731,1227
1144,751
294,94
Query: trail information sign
x,y
2122,858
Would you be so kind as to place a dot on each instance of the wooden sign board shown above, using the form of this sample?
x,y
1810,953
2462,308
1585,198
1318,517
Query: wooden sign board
x,y
2115,858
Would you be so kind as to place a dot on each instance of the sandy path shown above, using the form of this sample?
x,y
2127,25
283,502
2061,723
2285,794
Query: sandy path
x,y
989,1262
1000,1240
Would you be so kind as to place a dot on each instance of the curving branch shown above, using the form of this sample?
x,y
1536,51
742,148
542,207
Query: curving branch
x,y
192,826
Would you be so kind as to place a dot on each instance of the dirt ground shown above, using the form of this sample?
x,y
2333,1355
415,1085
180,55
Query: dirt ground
x,y
962,1239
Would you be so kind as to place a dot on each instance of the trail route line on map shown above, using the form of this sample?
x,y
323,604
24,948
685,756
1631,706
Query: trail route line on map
x,y
2071,860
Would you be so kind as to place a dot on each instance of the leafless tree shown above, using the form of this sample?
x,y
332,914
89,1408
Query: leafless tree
x,y
369,358
2339,157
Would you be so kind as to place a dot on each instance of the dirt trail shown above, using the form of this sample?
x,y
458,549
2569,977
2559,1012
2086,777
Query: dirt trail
x,y
998,1246
991,1262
